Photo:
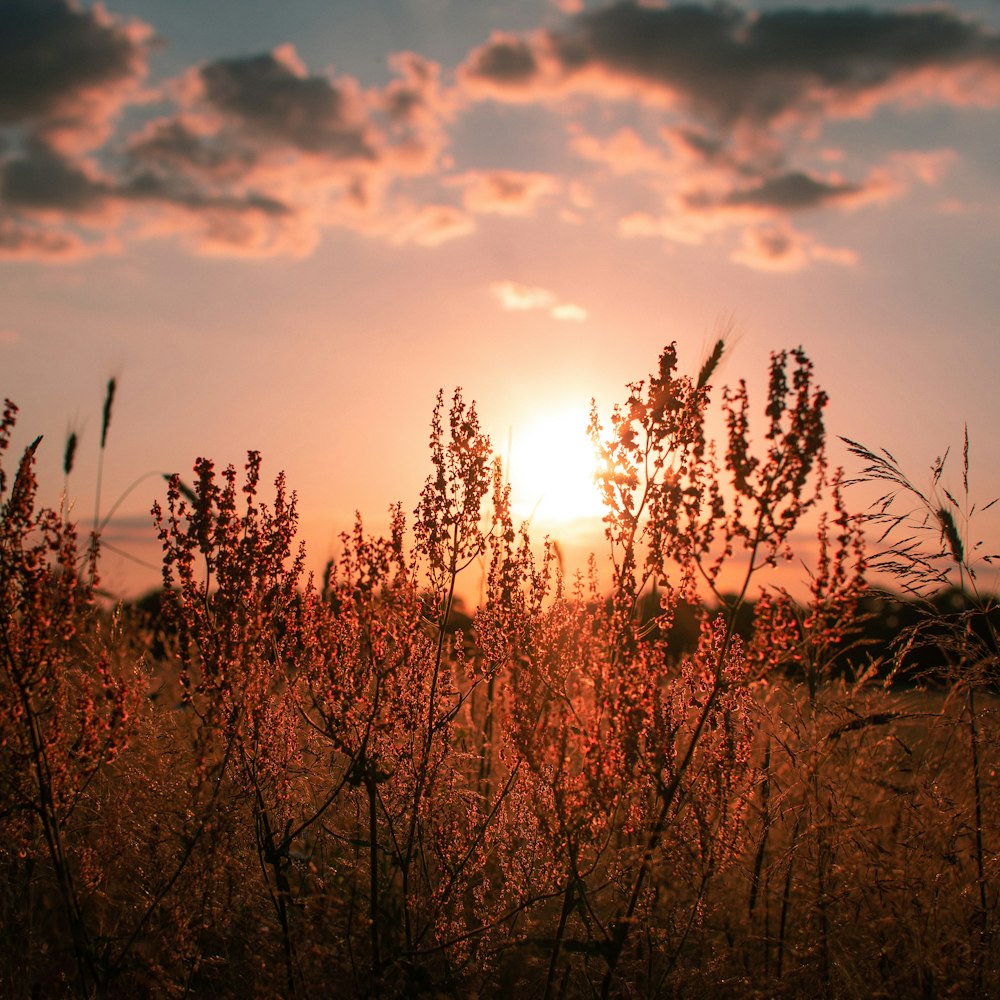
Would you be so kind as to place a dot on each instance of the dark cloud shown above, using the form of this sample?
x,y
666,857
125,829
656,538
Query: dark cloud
x,y
742,94
505,61
265,95
66,72
792,192
258,155
705,146
417,96
42,180
153,188
21,241
773,245
415,108
735,66
50,50
65,69
172,145
671,46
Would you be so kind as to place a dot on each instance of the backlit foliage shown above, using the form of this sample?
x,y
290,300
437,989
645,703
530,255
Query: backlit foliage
x,y
283,786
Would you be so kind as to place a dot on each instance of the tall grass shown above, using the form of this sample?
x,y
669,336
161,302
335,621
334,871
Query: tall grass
x,y
926,545
281,787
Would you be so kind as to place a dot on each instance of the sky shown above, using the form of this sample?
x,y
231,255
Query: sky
x,y
284,227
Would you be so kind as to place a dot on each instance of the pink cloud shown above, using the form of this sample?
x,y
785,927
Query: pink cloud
x,y
737,89
927,166
676,228
263,128
568,311
706,200
432,225
624,152
232,228
259,155
47,245
738,93
505,192
778,247
515,297
257,159
416,108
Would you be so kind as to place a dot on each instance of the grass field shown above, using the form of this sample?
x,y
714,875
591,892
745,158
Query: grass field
x,y
281,786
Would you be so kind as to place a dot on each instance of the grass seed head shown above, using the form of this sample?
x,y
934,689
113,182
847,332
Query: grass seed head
x,y
950,531
108,402
69,455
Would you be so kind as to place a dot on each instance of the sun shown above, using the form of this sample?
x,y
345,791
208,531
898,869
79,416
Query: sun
x,y
551,466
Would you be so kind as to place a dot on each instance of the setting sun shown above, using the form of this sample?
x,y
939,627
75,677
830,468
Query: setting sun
x,y
551,466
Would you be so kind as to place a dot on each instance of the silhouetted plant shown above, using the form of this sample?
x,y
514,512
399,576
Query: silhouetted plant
x,y
64,710
927,550
348,787
233,595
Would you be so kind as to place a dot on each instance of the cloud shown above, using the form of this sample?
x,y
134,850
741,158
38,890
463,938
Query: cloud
x,y
788,193
777,247
522,298
20,241
66,71
793,191
62,209
511,68
740,95
569,311
262,123
735,67
516,297
624,151
926,166
253,226
505,192
416,107
41,181
708,129
432,225
183,146
66,75
712,200
738,89
258,157
271,99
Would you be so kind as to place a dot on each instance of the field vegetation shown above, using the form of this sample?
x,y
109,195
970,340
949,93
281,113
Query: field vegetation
x,y
265,784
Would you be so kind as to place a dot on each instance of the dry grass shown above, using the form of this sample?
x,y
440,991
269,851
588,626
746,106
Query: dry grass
x,y
270,788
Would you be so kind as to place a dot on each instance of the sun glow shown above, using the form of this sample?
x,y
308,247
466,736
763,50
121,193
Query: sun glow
x,y
551,465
